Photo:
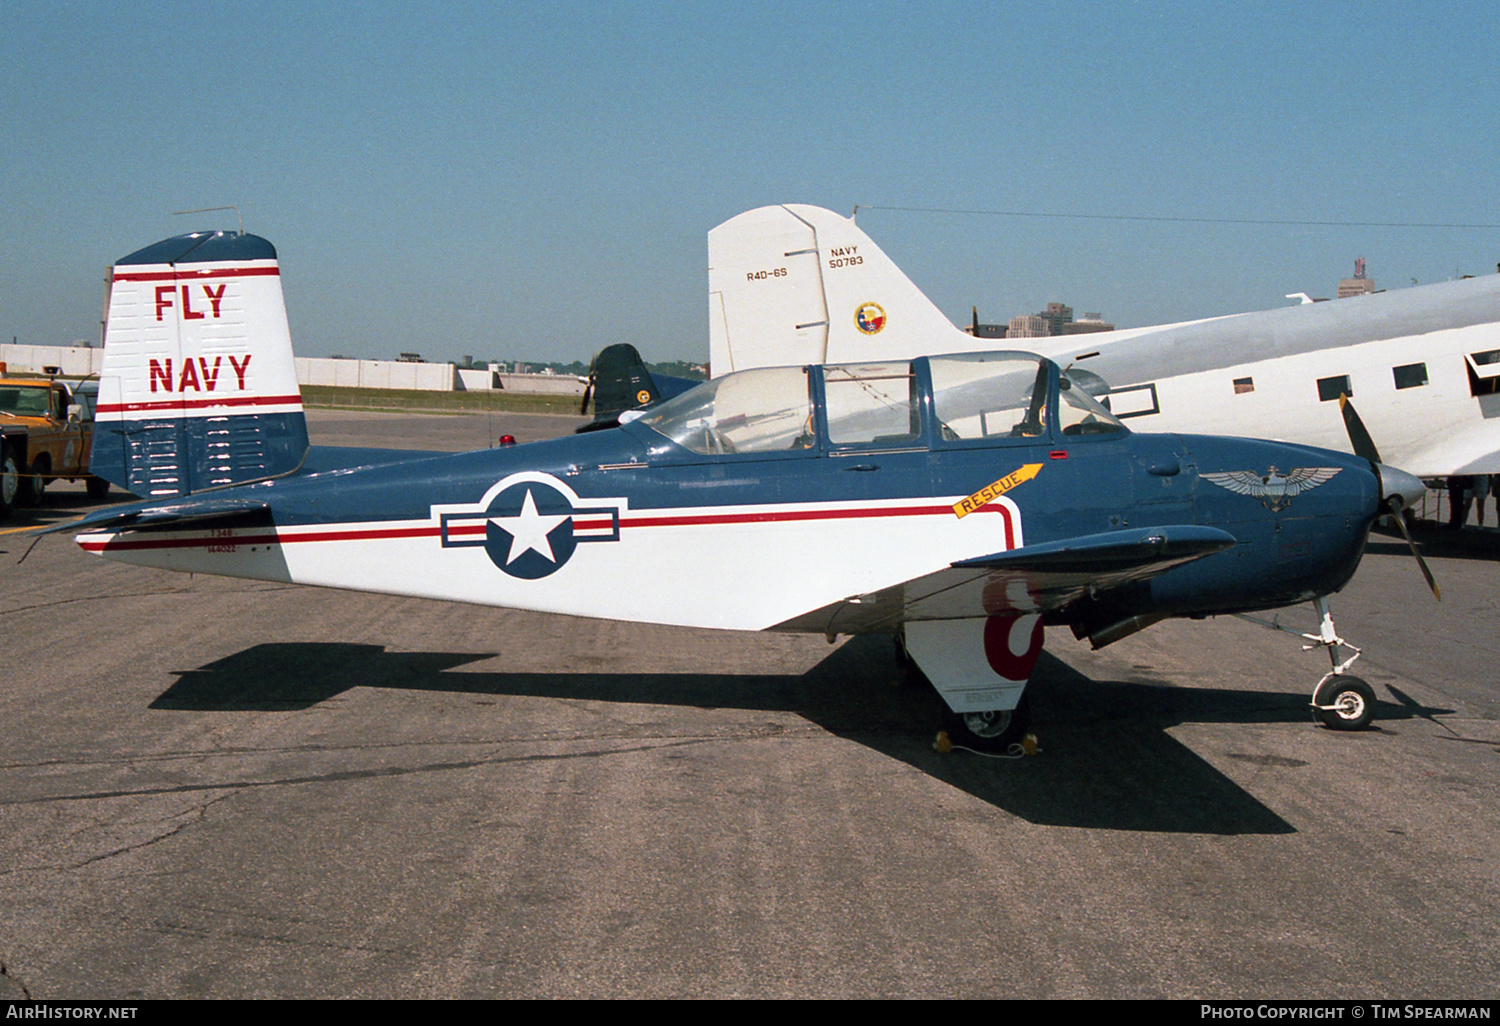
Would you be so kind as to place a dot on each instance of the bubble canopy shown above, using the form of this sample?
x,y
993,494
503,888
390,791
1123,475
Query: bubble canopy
x,y
937,401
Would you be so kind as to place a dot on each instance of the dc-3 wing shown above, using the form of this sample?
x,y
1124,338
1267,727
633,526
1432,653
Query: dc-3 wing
x,y
1032,579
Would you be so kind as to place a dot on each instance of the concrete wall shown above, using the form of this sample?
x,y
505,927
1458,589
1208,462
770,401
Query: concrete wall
x,y
541,384
75,361
427,377
476,380
78,361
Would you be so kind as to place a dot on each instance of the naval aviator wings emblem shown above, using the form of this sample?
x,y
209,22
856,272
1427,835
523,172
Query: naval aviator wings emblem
x,y
1275,490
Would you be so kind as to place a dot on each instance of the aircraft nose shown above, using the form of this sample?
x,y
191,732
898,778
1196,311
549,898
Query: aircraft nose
x,y
1397,482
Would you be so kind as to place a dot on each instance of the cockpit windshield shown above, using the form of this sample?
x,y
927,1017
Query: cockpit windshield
x,y
1081,414
989,395
975,396
763,410
1004,395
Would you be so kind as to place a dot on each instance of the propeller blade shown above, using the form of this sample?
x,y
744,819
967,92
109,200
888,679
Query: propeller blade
x,y
1359,438
1394,505
588,392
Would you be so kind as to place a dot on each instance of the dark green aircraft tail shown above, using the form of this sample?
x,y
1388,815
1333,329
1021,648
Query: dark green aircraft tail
x,y
619,380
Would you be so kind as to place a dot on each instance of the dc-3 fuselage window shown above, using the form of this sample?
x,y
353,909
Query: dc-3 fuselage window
x,y
763,410
1484,372
872,403
1411,375
1330,389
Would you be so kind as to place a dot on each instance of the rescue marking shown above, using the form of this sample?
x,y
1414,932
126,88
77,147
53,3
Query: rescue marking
x,y
964,507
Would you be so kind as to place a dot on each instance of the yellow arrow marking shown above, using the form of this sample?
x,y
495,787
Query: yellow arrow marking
x,y
964,507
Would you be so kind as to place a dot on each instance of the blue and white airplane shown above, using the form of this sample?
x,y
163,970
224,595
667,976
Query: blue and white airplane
x,y
958,502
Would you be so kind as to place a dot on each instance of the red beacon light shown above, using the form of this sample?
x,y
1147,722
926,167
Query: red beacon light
x,y
507,439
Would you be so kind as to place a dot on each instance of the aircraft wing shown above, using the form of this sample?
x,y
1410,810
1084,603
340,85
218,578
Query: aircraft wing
x,y
1032,579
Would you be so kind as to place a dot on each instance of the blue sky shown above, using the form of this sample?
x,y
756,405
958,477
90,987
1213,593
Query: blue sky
x,y
537,180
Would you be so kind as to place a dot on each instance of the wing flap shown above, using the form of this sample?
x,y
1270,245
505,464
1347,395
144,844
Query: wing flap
x,y
1114,552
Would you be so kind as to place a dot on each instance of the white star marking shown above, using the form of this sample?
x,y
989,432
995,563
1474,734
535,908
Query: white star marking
x,y
528,532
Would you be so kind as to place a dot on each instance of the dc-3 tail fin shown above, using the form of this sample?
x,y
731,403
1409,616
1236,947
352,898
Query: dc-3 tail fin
x,y
198,388
797,284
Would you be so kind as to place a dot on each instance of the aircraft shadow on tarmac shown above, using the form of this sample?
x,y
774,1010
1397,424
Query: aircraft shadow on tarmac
x,y
1108,761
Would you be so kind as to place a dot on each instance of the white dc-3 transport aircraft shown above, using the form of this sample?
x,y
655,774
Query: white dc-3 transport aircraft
x,y
795,283
958,502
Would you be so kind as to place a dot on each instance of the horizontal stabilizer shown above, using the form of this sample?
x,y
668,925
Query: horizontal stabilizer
x,y
1111,552
178,515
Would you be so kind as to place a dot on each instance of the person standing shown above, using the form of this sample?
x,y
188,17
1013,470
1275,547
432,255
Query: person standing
x,y
1460,495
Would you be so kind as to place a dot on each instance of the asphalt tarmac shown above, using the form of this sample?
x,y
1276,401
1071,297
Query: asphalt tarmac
x,y
221,788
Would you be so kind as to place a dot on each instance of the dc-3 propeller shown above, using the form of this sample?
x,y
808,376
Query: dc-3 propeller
x,y
1398,488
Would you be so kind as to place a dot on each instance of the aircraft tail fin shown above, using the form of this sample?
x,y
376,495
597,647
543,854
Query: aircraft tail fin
x,y
198,388
619,380
796,284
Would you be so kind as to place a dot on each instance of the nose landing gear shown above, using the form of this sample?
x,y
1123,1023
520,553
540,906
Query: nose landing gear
x,y
1344,702
1341,701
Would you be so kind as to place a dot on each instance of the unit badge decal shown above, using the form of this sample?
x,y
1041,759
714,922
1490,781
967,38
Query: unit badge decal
x,y
529,524
869,318
1275,490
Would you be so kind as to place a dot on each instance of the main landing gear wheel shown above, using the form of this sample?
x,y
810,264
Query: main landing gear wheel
x,y
1344,702
993,730
34,484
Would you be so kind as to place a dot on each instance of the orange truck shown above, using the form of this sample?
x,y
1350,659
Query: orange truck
x,y
46,433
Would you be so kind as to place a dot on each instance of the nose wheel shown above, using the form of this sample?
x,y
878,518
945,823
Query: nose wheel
x,y
1344,702
1341,701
